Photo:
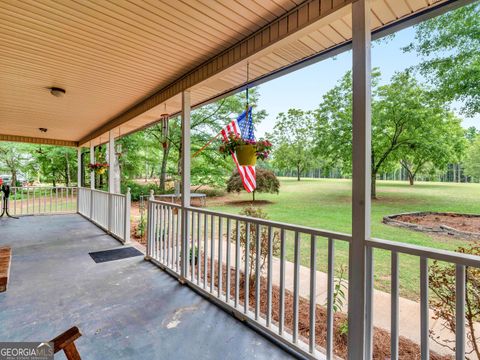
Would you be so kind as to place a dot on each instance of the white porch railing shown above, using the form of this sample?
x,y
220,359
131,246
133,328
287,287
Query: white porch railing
x,y
222,254
221,260
109,211
30,200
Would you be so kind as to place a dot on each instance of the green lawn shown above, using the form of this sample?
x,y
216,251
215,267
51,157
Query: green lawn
x,y
326,204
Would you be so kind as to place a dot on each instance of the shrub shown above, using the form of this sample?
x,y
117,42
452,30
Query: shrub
x,y
267,182
136,189
260,214
442,284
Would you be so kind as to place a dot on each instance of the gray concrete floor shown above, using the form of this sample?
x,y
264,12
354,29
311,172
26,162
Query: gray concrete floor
x,y
126,309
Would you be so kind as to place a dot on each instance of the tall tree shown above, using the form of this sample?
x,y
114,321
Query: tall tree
x,y
441,143
402,118
450,49
293,141
56,163
15,158
472,159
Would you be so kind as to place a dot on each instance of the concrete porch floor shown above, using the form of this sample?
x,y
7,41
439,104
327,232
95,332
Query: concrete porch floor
x,y
125,309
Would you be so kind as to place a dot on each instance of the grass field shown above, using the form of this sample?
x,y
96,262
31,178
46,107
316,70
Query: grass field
x,y
326,204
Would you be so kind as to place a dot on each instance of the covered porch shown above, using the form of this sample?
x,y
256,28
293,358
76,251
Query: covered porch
x,y
125,309
130,309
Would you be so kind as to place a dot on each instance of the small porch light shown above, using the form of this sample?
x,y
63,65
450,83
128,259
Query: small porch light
x,y
57,92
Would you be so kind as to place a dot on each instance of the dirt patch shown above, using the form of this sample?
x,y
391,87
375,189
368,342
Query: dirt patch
x,y
464,226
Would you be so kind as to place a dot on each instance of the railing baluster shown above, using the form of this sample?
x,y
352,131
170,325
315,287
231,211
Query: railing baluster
x,y
246,301
424,313
296,284
313,291
212,253
220,257
258,276
227,280
460,285
369,303
171,233
205,250
330,289
192,252
198,249
237,263
269,277
394,312
281,316
177,239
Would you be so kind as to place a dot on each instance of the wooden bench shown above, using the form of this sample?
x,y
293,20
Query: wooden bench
x,y
5,259
66,342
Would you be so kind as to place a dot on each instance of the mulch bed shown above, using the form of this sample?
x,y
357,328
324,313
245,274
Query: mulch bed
x,y
381,343
456,221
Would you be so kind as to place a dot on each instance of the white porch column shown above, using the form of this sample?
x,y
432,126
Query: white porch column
x,y
92,161
361,175
79,166
185,187
111,162
79,175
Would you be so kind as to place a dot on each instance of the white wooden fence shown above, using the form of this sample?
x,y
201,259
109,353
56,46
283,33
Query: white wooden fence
x,y
110,212
30,200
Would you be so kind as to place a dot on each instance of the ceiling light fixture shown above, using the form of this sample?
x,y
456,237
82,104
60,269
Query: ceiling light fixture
x,y
57,92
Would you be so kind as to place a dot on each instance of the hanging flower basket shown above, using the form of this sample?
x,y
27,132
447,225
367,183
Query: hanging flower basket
x,y
99,168
247,151
246,155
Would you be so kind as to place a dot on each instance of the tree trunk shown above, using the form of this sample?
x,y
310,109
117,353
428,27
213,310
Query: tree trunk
x,y
14,177
67,170
374,185
411,179
298,173
253,195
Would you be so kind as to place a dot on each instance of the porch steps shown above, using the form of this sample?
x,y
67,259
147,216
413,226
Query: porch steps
x,y
5,259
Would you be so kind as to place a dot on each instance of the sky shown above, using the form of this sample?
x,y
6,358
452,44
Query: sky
x,y
303,89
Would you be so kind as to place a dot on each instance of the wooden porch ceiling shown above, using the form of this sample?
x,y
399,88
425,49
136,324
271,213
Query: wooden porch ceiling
x,y
123,63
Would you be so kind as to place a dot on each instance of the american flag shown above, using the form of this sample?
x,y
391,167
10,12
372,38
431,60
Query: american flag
x,y
243,126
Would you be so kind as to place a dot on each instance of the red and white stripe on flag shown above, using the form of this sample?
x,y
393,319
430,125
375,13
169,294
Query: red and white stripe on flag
x,y
247,173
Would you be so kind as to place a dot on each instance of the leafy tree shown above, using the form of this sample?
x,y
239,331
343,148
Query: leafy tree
x,y
440,143
293,141
15,157
56,164
472,159
450,47
267,182
403,117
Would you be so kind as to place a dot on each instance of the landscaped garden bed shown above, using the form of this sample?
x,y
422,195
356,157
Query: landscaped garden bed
x,y
465,226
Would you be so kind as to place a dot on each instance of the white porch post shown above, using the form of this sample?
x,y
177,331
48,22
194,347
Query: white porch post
x,y
79,175
92,173
361,176
186,108
111,162
92,178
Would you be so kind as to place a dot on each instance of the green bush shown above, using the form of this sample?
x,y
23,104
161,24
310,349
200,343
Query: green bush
x,y
136,189
267,182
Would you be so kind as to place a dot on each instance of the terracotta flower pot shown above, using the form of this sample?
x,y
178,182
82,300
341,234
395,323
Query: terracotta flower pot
x,y
246,155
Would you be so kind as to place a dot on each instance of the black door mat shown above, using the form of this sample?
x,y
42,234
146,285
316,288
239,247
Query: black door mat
x,y
114,254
